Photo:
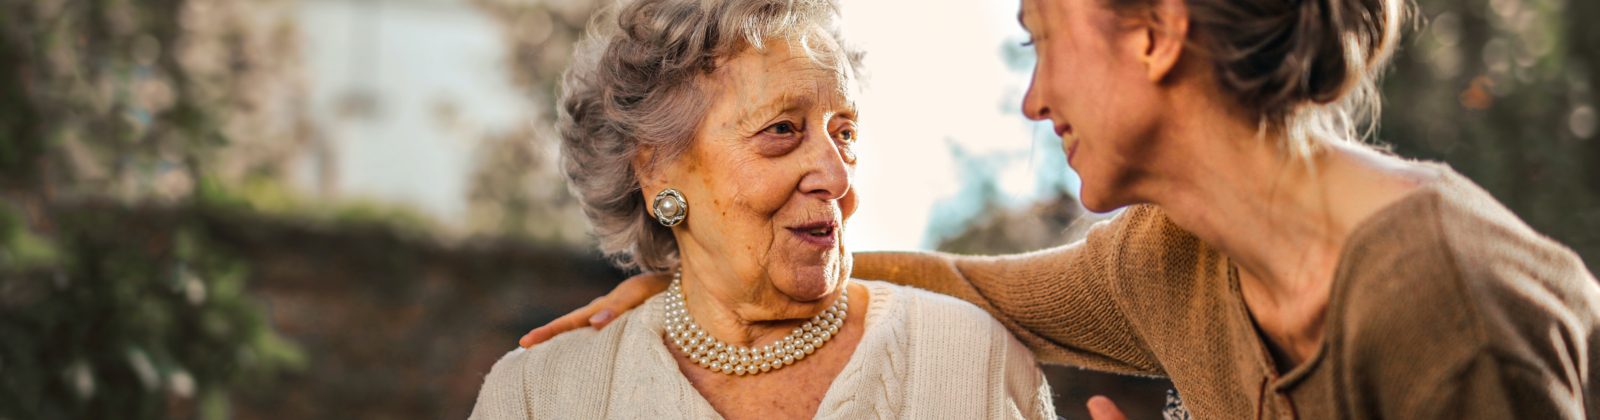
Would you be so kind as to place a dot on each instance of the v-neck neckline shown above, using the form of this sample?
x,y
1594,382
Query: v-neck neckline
x,y
1342,271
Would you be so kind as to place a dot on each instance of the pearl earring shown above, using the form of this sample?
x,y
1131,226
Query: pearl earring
x,y
670,207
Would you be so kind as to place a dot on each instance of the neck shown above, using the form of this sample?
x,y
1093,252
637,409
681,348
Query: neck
x,y
1283,220
725,317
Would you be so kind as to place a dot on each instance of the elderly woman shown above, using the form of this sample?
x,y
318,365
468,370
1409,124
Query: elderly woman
x,y
1268,262
712,140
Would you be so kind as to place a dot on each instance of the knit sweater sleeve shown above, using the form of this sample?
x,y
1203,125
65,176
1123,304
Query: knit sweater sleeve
x,y
1059,302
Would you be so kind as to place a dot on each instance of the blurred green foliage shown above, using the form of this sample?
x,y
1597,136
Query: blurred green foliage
x,y
143,324
114,303
1504,91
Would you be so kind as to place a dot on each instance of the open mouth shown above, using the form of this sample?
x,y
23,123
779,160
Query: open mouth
x,y
1069,140
818,233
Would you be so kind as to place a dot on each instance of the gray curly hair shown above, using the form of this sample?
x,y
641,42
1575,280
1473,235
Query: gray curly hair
x,y
635,82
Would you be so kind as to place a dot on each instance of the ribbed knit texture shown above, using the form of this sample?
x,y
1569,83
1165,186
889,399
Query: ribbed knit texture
x,y
1444,305
922,355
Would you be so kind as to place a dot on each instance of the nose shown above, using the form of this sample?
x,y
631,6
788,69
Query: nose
x,y
1033,105
828,173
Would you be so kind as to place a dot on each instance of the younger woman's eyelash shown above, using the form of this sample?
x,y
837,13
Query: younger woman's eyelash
x,y
1028,43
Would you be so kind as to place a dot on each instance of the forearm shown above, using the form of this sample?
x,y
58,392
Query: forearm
x,y
1054,301
930,271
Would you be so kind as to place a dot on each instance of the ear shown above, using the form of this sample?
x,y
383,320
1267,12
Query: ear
x,y
647,170
1166,33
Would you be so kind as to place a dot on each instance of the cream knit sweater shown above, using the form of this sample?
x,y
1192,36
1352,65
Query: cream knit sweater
x,y
922,355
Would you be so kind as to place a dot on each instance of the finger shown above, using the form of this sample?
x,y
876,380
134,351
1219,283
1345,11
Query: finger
x,y
1101,408
635,290
602,318
572,321
604,309
628,295
566,323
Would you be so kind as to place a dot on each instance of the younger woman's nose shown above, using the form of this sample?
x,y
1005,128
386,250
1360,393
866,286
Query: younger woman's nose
x,y
1033,105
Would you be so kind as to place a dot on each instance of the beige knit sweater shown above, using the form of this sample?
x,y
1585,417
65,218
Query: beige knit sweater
x,y
1444,306
922,355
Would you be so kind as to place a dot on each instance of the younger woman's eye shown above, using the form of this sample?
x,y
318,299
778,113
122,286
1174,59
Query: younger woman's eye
x,y
1028,43
782,129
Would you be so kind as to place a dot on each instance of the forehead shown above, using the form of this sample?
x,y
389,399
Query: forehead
x,y
810,67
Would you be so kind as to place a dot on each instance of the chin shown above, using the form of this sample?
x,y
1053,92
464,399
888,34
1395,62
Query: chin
x,y
811,282
1094,199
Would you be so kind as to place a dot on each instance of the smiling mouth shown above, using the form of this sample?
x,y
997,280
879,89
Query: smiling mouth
x,y
1069,140
817,233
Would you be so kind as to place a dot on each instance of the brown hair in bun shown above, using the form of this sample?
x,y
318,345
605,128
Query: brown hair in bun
x,y
1305,68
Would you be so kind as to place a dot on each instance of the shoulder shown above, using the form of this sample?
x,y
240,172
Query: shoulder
x,y
550,377
945,322
1521,285
1448,276
1452,244
1149,245
955,343
1144,229
921,307
1488,242
581,348
501,396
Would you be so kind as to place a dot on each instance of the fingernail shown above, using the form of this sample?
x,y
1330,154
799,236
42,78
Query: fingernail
x,y
600,317
525,341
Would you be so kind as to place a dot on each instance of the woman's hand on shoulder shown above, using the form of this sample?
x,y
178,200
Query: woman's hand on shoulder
x,y
628,295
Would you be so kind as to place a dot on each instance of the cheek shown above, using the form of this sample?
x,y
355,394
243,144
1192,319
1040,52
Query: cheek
x,y
759,188
747,195
1072,79
849,203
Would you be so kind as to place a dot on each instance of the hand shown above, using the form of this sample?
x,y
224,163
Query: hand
x,y
1101,408
628,295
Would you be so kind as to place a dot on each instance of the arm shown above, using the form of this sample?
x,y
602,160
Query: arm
x,y
1491,387
1059,302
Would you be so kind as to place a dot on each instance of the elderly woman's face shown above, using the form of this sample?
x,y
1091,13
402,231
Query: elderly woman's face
x,y
768,179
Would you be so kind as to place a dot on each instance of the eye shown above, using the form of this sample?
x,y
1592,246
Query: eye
x,y
781,129
1028,43
847,135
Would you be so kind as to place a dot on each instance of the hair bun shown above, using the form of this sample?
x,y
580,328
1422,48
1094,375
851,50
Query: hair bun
x,y
1276,56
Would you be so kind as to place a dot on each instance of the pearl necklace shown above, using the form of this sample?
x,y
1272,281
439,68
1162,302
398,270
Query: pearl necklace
x,y
713,354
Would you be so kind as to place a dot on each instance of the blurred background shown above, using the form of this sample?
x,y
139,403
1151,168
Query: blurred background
x,y
350,208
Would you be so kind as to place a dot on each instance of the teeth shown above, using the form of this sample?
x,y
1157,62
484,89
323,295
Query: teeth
x,y
819,232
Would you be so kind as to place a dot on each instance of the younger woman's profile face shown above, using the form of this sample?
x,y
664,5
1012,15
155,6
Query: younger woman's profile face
x,y
1090,84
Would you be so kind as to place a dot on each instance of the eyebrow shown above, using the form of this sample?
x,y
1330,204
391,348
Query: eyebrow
x,y
784,103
